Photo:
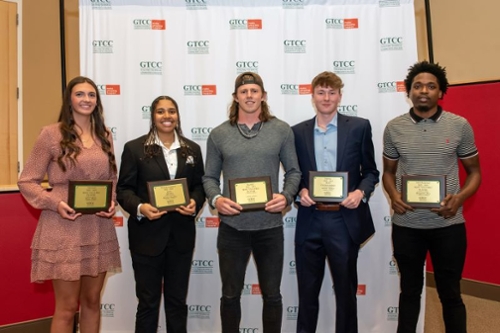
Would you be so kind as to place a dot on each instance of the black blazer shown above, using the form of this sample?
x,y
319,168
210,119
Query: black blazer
x,y
355,154
150,237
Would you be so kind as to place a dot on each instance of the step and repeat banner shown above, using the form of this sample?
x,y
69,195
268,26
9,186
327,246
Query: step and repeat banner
x,y
192,50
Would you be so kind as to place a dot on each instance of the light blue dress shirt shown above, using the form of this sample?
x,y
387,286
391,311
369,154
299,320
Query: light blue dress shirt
x,y
325,145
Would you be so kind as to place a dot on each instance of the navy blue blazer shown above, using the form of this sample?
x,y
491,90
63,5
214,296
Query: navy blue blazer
x,y
150,237
355,154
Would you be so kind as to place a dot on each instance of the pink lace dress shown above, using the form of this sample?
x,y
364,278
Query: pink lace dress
x,y
61,248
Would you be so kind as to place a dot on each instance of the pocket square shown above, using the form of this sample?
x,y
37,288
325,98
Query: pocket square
x,y
190,160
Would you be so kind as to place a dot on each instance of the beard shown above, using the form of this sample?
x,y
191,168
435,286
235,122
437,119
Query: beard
x,y
422,108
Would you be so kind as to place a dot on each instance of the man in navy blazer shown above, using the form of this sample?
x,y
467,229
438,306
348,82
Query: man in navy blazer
x,y
332,142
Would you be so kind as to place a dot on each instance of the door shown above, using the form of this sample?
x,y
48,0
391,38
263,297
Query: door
x,y
8,94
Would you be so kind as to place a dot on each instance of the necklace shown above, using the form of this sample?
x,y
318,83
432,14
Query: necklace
x,y
250,134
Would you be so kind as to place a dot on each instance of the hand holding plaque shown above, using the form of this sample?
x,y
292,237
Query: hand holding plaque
x,y
88,196
326,186
423,191
252,192
167,195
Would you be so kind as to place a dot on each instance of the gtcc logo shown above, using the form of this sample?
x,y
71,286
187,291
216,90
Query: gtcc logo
x,y
107,306
149,24
199,308
295,4
102,43
151,67
142,22
393,309
334,21
201,130
347,108
337,23
102,46
196,88
391,86
391,40
202,263
294,45
151,64
200,133
249,330
199,311
238,22
342,64
290,221
296,42
391,43
289,87
292,312
247,64
198,46
198,43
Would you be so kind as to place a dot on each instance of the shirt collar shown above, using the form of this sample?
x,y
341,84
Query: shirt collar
x,y
174,145
332,122
435,117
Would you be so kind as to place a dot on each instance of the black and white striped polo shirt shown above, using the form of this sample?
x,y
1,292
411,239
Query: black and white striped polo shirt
x,y
429,147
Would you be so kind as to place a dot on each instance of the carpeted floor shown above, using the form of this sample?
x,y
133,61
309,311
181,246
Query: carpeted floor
x,y
483,316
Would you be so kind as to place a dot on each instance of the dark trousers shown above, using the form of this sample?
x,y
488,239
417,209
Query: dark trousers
x,y
447,247
328,238
168,272
234,249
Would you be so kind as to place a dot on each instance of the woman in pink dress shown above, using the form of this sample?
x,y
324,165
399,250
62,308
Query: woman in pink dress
x,y
72,249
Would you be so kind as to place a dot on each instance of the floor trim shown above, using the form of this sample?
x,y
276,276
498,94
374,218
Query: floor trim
x,y
472,288
38,325
41,325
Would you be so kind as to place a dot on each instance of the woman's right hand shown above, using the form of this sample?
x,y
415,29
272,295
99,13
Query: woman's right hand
x,y
66,211
152,213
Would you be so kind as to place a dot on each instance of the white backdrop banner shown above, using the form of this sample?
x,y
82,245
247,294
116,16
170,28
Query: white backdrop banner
x,y
192,50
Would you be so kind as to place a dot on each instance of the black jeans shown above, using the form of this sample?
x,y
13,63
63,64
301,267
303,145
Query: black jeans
x,y
447,247
234,249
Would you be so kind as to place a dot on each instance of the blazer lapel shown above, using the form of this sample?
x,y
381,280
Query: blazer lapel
x,y
160,159
309,140
342,135
181,163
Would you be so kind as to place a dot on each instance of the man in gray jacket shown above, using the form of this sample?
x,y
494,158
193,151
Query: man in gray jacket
x,y
252,143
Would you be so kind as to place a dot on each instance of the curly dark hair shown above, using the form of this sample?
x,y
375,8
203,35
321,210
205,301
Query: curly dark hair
x,y
69,149
150,147
427,67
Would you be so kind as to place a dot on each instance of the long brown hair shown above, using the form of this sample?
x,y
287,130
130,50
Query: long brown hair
x,y
150,147
69,149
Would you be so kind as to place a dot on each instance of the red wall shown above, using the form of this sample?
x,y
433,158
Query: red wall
x,y
20,299
480,105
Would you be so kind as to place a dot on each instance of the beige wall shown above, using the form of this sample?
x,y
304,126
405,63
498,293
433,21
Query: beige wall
x,y
41,61
466,38
466,41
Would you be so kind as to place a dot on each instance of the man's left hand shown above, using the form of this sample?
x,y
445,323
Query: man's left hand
x,y
449,206
353,199
276,204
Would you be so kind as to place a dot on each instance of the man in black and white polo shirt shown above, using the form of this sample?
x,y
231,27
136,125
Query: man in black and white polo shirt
x,y
429,141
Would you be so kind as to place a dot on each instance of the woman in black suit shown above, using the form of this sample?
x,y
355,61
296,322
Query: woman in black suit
x,y
161,244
